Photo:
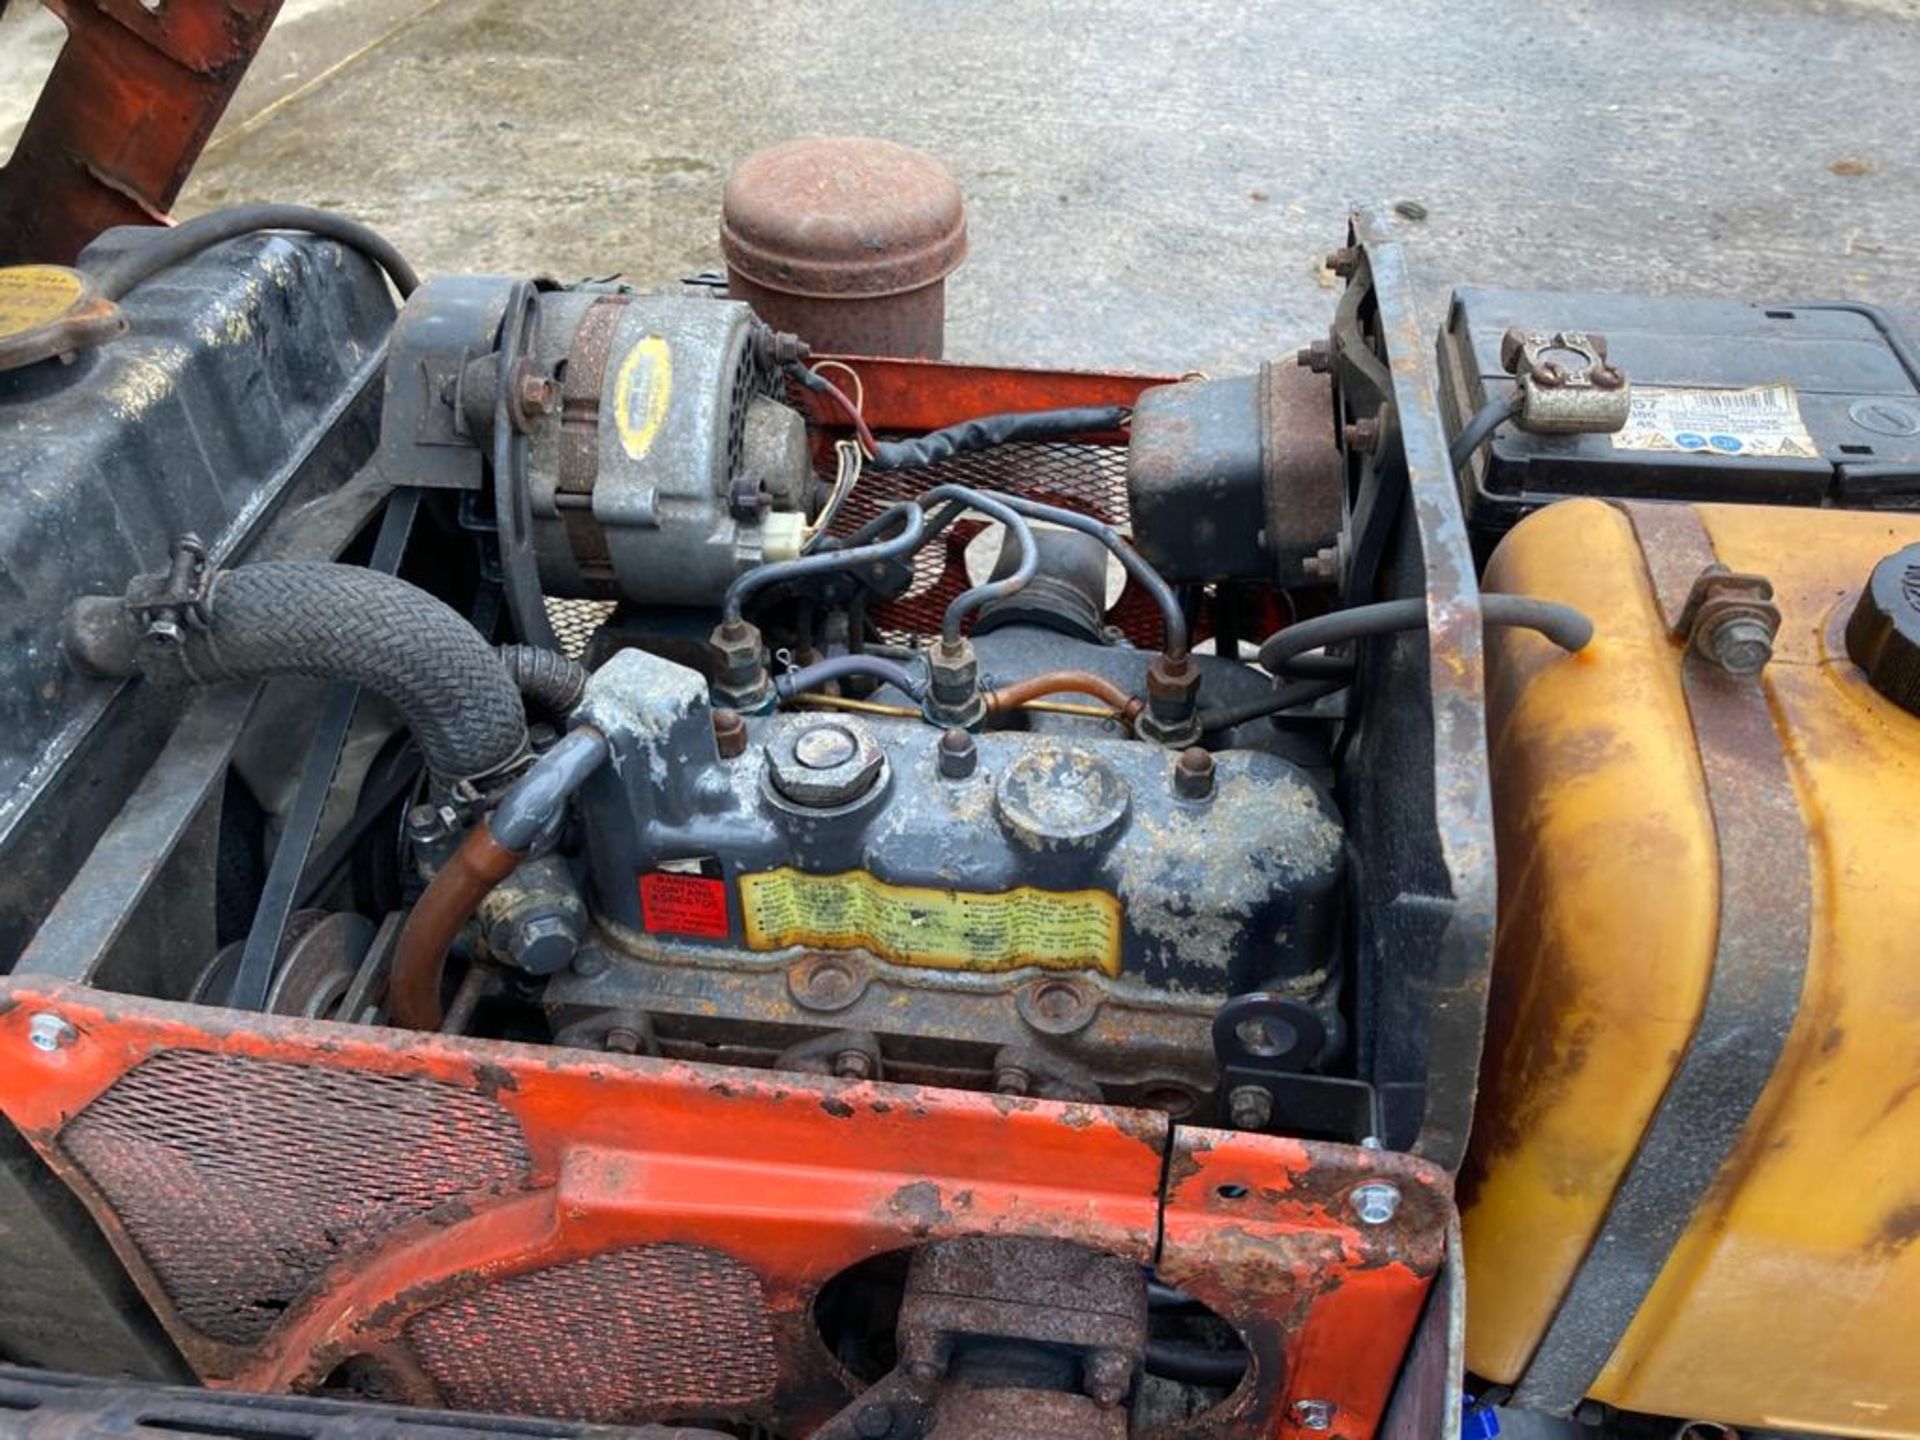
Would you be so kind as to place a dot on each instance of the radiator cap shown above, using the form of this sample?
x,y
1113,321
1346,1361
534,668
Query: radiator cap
x,y
1883,633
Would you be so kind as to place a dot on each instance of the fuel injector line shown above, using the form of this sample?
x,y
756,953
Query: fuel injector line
x,y
492,850
858,549
1173,619
1008,698
962,497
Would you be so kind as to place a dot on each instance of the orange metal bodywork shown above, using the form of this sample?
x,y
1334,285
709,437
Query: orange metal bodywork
x,y
130,102
797,1178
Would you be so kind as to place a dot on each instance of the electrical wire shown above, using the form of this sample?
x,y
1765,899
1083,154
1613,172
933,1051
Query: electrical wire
x,y
813,380
1562,624
848,462
859,385
1477,431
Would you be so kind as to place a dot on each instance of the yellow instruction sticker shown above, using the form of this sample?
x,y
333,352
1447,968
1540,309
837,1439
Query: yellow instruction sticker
x,y
36,295
939,929
641,391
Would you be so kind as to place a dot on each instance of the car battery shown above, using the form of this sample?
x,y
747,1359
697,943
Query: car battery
x,y
1779,404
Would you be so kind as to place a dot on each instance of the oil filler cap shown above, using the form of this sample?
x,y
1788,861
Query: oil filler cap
x,y
1883,633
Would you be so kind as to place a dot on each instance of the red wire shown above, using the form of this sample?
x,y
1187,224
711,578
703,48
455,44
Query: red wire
x,y
867,441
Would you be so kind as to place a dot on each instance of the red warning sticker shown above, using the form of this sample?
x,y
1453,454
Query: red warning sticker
x,y
683,905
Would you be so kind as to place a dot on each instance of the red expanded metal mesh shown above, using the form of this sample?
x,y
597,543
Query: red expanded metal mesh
x,y
241,1181
1089,478
626,1336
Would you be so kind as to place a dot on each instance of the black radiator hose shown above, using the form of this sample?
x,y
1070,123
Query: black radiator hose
x,y
551,681
329,622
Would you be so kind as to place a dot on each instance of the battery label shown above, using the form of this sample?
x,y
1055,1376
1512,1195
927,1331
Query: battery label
x,y
683,904
1759,420
936,928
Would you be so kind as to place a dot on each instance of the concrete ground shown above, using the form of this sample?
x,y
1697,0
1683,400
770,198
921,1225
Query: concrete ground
x,y
1151,183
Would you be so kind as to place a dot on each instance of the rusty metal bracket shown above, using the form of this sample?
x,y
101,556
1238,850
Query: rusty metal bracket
x,y
1730,619
1759,965
128,107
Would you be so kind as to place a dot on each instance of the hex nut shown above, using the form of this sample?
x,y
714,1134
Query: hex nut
x,y
959,756
729,734
49,1033
741,682
1172,716
1313,1414
1193,774
953,685
824,763
1376,1202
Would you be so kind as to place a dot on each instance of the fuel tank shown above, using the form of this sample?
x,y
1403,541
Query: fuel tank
x,y
1694,1182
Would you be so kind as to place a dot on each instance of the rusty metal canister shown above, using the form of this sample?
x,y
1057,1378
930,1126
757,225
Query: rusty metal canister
x,y
846,242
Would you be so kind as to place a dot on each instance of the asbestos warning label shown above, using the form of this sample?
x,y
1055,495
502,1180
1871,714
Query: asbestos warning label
x,y
941,929
1759,420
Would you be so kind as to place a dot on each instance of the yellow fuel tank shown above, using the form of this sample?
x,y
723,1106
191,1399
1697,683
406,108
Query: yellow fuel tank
x,y
1614,1247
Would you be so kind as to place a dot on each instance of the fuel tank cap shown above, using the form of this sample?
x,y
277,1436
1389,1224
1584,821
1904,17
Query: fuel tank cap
x,y
1883,633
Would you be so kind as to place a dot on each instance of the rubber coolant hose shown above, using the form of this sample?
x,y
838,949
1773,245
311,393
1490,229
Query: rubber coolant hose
x,y
330,622
552,681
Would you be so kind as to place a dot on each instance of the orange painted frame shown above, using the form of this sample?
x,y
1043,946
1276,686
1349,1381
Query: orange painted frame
x,y
799,1177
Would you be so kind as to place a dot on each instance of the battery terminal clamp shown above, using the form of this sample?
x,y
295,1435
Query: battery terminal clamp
x,y
1567,384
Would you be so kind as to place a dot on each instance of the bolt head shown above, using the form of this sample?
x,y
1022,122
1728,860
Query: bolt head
x,y
826,746
853,1065
48,1033
1249,1107
1323,564
1741,644
871,1422
543,944
1012,1080
1376,1202
821,764
1313,1414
